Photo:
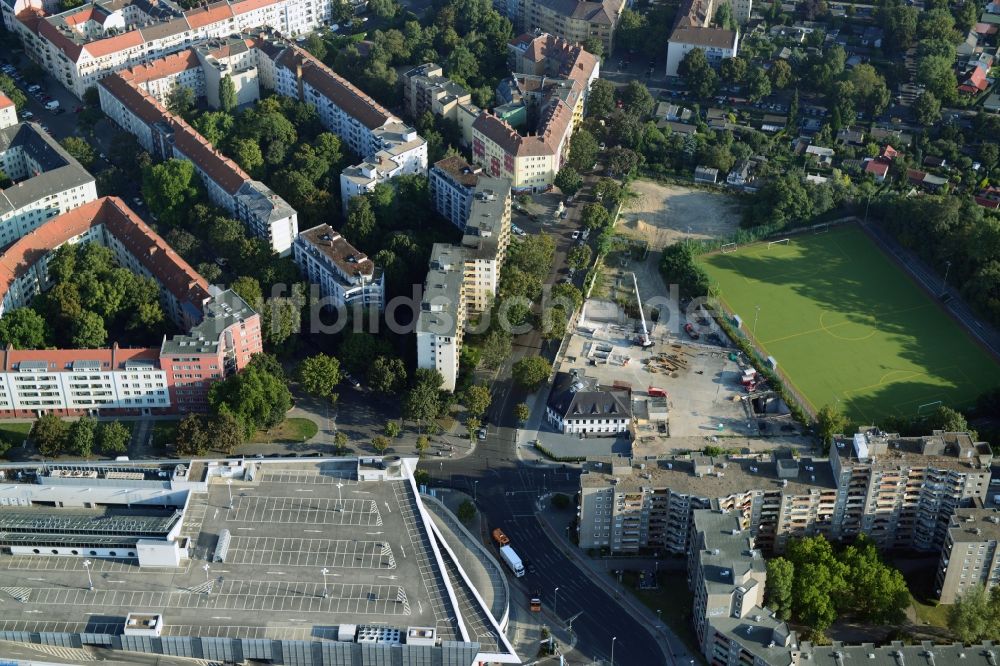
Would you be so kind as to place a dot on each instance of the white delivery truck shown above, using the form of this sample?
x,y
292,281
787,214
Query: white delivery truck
x,y
512,560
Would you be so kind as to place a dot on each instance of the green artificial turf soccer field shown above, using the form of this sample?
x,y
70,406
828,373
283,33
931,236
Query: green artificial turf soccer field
x,y
848,327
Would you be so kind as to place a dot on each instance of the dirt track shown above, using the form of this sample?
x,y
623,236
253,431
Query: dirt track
x,y
664,214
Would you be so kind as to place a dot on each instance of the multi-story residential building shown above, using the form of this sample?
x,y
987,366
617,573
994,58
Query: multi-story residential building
x,y
693,29
485,242
728,580
82,45
224,332
580,405
387,145
426,88
47,181
554,90
899,491
970,556
576,21
451,182
164,135
8,112
463,279
441,321
345,276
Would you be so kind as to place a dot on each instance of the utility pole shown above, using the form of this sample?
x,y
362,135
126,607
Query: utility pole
x,y
90,581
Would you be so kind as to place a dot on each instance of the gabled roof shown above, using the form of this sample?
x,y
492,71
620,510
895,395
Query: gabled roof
x,y
578,397
877,168
213,13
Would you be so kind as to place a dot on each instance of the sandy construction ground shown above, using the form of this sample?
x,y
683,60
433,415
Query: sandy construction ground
x,y
664,214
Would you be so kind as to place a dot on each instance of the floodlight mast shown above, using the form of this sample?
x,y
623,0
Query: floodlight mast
x,y
644,341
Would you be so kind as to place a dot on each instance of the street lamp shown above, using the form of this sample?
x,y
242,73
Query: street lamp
x,y
229,486
325,571
90,581
340,499
613,639
658,611
475,490
555,602
208,587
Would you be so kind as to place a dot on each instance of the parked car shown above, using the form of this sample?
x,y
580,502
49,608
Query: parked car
x,y
352,381
481,434
689,329
575,235
27,115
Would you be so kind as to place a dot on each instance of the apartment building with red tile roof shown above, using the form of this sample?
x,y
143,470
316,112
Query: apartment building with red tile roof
x,y
224,332
8,112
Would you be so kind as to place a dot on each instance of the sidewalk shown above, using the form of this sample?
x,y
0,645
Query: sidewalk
x,y
674,650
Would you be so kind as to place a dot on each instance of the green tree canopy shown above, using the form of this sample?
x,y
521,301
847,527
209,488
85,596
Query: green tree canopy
x,y
568,181
601,101
477,399
387,375
113,438
80,150
319,376
531,372
50,435
583,150
258,399
23,328
227,94
192,438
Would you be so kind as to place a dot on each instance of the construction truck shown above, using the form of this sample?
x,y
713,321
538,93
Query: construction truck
x,y
499,538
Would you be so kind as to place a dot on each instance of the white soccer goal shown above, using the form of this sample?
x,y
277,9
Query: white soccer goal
x,y
728,248
777,242
822,228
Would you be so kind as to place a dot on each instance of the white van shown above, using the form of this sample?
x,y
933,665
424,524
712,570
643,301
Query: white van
x,y
52,105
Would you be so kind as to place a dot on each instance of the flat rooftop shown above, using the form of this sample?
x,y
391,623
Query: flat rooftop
x,y
286,526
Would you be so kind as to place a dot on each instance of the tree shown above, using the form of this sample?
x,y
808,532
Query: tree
x,y
875,591
358,351
780,580
422,402
900,25
81,151
82,436
698,73
870,91
829,422
758,84
49,434
472,425
23,328
938,75
595,216
248,288
531,372
477,399
947,419
601,101
734,70
568,181
361,223
522,411
380,444
423,443
974,616
937,25
113,438
387,375
724,17
781,74
257,398
227,94
340,441
392,429
319,376
316,46
169,189
89,331
466,511
496,348
622,161
594,45
966,16
583,150
579,257
637,100
247,154
191,438
180,100
225,432
928,109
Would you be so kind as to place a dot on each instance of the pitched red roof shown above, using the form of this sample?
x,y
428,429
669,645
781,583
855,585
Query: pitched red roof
x,y
5,101
149,249
975,81
336,88
103,47
201,16
161,67
877,168
71,49
62,359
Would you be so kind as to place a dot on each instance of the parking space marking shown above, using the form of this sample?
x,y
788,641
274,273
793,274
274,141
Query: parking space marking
x,y
100,565
300,597
296,552
344,477
310,511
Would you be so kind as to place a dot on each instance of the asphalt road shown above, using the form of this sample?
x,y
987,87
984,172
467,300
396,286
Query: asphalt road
x,y
506,493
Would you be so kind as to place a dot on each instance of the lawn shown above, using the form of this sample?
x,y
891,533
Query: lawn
x,y
848,327
14,434
289,430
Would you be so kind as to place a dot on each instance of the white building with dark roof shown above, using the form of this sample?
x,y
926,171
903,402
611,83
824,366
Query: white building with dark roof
x,y
579,405
345,275
47,181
